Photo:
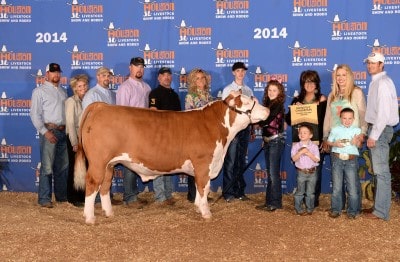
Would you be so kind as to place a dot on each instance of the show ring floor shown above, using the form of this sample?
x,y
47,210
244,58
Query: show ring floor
x,y
237,232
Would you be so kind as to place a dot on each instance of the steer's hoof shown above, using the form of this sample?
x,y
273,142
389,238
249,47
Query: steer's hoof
x,y
90,221
109,214
207,216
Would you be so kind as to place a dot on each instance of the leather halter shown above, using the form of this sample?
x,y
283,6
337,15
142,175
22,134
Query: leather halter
x,y
247,112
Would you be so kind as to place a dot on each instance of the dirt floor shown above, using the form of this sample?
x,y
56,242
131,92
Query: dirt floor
x,y
237,232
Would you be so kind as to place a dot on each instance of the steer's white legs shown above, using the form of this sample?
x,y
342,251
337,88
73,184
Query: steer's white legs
x,y
202,203
106,204
88,211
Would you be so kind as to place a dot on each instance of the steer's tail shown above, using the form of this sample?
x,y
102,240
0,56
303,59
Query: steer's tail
x,y
80,168
80,157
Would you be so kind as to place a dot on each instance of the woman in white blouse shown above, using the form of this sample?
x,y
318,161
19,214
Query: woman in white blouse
x,y
73,110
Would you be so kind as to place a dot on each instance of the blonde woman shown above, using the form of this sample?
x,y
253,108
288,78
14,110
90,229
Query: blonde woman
x,y
198,89
344,94
198,95
73,110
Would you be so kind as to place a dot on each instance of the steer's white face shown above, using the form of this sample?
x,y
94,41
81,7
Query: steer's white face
x,y
258,112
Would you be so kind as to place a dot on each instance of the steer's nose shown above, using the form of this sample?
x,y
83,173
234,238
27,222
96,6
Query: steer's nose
x,y
266,112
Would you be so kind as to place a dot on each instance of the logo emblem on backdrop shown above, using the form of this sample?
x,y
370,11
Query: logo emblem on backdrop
x,y
260,176
391,53
225,57
15,154
39,78
14,60
158,11
182,80
85,59
117,37
283,179
227,9
360,79
303,56
3,104
14,107
117,180
4,151
15,13
344,30
154,58
310,8
183,180
116,80
261,79
385,7
82,13
189,35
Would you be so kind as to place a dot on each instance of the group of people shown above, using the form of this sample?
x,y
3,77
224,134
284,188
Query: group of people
x,y
345,122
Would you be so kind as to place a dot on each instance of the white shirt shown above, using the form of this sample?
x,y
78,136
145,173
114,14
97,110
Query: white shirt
x,y
235,87
382,105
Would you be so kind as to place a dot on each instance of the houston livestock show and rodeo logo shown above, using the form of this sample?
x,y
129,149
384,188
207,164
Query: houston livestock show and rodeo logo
x,y
225,57
191,35
309,8
10,59
83,13
156,10
122,37
10,13
154,58
308,56
85,59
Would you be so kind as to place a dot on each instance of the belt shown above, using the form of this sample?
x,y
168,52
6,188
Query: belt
x,y
344,156
307,170
54,126
269,138
371,125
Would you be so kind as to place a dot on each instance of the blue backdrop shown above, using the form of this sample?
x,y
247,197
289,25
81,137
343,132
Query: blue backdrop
x,y
275,38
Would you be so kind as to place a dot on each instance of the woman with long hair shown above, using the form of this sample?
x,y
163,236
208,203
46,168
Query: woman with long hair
x,y
73,110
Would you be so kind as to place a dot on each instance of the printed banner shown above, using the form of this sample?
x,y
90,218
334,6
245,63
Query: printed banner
x,y
276,39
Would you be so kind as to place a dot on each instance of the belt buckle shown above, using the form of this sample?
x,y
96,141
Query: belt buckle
x,y
344,156
269,138
310,170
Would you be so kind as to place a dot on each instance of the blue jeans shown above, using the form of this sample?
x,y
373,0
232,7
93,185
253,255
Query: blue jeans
x,y
233,184
380,165
54,166
347,170
163,187
318,183
191,196
305,185
131,189
273,151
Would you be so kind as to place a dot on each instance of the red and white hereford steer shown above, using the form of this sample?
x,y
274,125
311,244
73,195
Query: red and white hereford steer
x,y
154,143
